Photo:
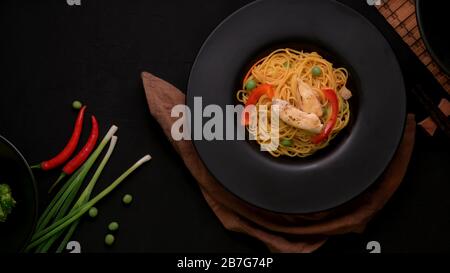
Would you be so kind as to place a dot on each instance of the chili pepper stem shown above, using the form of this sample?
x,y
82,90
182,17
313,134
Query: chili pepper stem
x,y
61,177
37,166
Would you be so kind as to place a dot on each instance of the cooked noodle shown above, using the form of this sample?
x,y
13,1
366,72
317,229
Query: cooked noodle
x,y
282,69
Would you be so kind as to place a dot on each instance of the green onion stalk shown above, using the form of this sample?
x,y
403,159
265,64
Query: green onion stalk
x,y
84,197
61,202
73,216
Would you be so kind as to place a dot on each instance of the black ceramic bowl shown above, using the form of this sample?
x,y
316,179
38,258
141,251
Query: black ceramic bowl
x,y
360,153
15,171
434,25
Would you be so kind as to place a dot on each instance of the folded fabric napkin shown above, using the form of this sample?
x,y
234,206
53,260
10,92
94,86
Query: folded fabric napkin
x,y
299,233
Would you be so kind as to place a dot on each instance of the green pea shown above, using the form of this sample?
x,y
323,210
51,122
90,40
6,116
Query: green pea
x,y
286,142
287,65
250,85
113,226
109,239
127,199
93,212
316,71
77,105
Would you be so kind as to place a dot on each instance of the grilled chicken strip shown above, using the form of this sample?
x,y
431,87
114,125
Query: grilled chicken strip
x,y
310,102
297,118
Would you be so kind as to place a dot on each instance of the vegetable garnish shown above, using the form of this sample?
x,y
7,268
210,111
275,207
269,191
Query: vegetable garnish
x,y
93,212
84,198
330,95
127,199
65,154
7,202
250,85
109,239
316,71
47,233
286,142
113,226
61,202
255,95
77,105
81,157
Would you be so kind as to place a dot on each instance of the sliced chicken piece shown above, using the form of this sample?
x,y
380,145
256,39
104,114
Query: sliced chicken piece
x,y
295,117
310,102
345,93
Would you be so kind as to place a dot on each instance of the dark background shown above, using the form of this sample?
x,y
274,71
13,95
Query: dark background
x,y
53,53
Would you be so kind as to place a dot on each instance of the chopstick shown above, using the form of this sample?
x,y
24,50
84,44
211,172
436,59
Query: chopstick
x,y
436,114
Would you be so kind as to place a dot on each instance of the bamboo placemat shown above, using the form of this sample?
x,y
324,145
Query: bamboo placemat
x,y
401,14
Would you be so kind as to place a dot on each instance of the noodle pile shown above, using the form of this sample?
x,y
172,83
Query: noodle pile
x,y
282,69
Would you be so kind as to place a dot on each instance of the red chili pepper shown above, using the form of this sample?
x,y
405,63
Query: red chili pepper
x,y
330,94
82,155
255,95
65,154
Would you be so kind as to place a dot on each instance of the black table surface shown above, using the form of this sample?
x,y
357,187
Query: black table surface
x,y
53,53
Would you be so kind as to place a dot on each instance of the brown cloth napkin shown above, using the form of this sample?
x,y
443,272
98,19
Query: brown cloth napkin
x,y
281,233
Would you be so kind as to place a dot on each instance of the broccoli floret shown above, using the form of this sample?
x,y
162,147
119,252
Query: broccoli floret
x,y
4,189
7,202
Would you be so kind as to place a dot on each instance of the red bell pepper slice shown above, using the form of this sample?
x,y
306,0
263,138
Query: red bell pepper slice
x,y
330,95
255,95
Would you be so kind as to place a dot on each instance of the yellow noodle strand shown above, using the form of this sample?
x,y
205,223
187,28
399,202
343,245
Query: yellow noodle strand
x,y
282,69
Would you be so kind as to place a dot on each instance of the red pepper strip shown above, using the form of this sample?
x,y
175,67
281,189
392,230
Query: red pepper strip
x,y
65,154
81,157
330,94
255,95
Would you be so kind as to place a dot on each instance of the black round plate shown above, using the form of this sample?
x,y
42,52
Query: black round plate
x,y
434,25
357,157
14,171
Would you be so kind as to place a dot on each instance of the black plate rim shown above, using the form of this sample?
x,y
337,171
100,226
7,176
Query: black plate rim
x,y
33,180
445,67
391,155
